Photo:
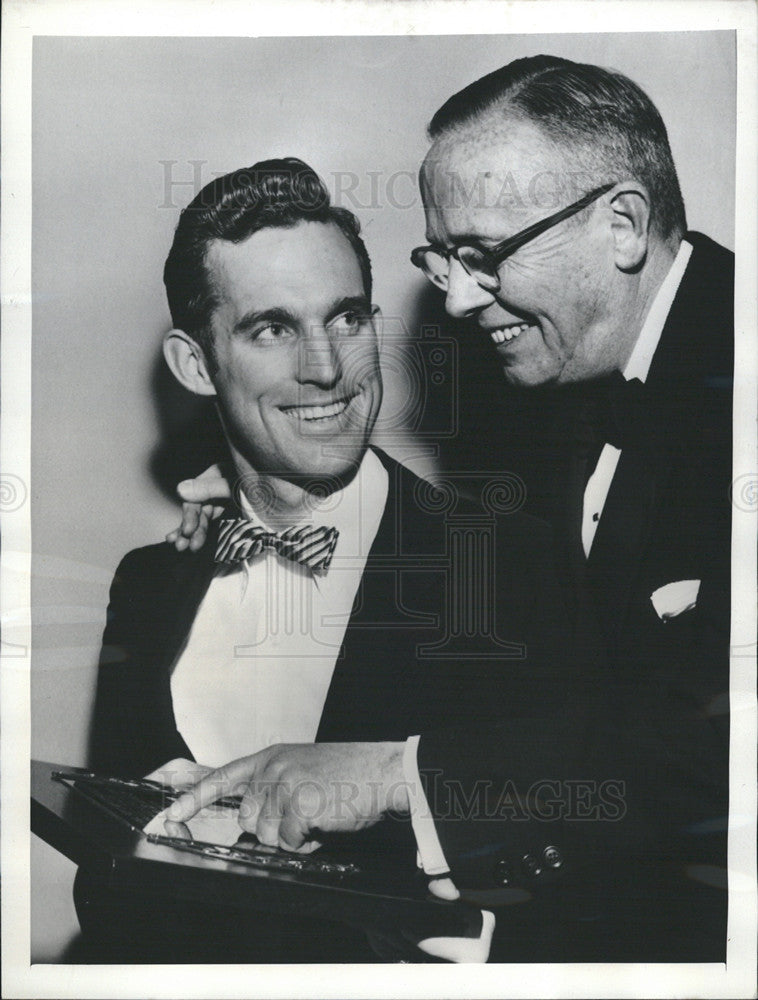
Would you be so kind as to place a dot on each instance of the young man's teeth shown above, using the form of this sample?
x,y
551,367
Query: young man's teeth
x,y
508,332
320,412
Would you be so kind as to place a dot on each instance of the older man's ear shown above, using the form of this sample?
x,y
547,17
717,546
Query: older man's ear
x,y
630,225
186,359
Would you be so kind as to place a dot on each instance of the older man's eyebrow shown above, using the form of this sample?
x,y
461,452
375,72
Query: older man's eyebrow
x,y
348,303
464,239
255,317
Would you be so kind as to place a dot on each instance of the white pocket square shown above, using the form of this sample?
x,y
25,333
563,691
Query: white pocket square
x,y
675,598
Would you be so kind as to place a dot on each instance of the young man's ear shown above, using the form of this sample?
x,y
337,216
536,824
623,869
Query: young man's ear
x,y
631,225
186,359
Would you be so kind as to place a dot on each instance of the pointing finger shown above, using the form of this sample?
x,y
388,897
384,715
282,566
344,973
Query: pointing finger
x,y
178,830
228,780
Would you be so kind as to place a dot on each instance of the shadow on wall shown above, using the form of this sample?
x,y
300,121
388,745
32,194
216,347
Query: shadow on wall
x,y
189,440
473,410
190,435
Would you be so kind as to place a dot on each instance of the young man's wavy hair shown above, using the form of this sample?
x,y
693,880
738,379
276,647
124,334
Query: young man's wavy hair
x,y
607,124
277,193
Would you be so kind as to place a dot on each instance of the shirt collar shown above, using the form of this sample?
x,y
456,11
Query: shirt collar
x,y
641,357
355,510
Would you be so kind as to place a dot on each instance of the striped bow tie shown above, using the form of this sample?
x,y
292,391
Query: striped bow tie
x,y
240,539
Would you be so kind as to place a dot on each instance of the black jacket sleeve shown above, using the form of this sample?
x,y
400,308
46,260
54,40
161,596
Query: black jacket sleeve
x,y
133,729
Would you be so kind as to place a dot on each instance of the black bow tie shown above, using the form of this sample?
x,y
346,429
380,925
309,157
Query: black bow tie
x,y
612,412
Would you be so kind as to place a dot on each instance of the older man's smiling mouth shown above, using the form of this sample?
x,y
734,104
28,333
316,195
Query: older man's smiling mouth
x,y
505,333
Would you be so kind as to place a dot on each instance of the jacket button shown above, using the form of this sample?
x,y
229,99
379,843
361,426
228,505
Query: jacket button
x,y
530,865
552,857
502,873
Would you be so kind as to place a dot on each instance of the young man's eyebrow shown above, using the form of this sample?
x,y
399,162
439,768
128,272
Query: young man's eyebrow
x,y
253,318
278,314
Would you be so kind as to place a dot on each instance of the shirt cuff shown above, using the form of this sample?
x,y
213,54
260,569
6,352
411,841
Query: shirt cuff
x,y
463,949
430,855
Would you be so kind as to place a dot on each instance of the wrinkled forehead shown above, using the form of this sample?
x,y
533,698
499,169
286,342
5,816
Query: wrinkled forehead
x,y
493,172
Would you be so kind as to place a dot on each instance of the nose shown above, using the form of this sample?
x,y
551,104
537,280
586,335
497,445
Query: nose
x,y
464,295
320,359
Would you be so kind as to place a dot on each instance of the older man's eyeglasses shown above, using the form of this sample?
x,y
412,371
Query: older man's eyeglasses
x,y
482,264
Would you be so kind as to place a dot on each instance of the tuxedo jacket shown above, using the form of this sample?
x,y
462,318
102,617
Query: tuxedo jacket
x,y
650,850
405,662
458,618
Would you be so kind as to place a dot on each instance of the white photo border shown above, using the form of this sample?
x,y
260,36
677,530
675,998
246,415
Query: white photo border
x,y
25,20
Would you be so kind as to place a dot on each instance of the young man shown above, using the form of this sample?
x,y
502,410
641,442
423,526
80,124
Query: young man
x,y
321,606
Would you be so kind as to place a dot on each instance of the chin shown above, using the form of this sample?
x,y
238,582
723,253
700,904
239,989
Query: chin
x,y
340,467
346,466
523,378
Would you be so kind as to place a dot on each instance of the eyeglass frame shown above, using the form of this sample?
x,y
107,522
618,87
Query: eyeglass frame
x,y
494,256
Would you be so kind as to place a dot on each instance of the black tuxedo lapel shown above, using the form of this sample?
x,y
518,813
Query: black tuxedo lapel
x,y
621,539
193,573
154,598
373,689
690,364
555,489
571,469
696,350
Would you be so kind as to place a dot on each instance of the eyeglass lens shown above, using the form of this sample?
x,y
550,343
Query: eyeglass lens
x,y
436,266
474,262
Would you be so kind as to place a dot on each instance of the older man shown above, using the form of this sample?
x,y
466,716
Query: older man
x,y
619,323
611,298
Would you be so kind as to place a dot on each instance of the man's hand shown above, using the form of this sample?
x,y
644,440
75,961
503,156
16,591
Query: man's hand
x,y
292,792
179,773
201,505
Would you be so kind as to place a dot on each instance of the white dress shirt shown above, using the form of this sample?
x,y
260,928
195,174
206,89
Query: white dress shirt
x,y
638,366
258,661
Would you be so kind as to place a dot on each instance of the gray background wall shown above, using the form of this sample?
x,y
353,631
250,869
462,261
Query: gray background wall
x,y
124,131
